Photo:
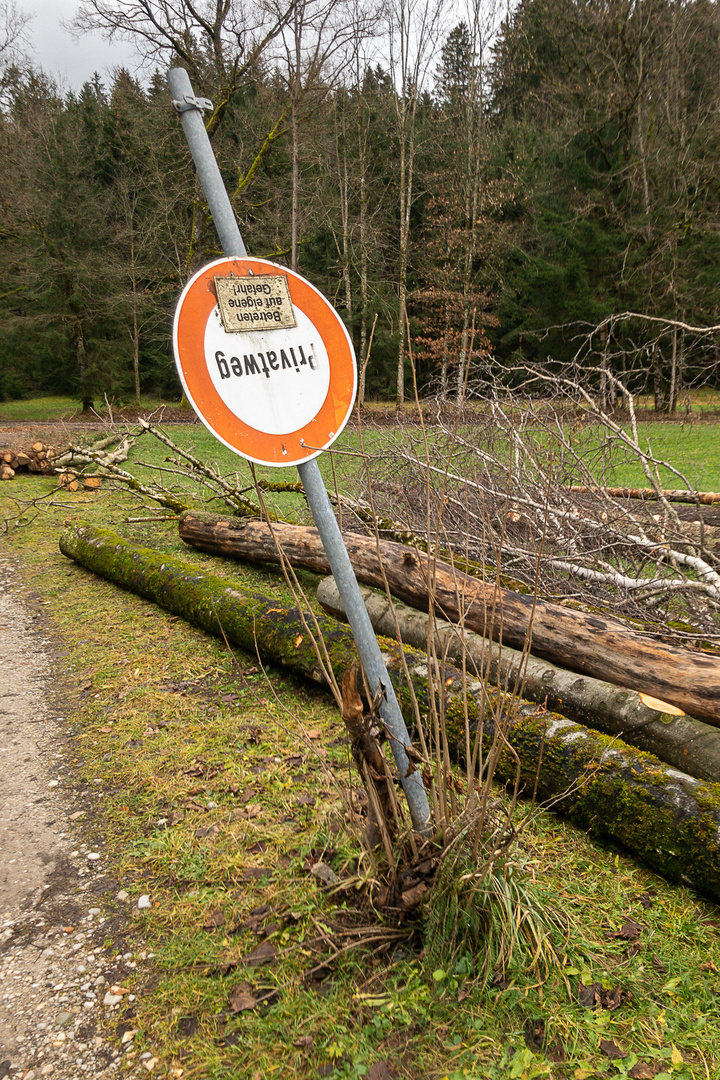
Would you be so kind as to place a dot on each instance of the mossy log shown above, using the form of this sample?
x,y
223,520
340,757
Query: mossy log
x,y
669,820
603,648
681,741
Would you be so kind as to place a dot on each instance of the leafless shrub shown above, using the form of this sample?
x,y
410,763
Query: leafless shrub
x,y
518,483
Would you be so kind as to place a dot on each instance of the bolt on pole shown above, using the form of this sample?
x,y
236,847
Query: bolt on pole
x,y
190,110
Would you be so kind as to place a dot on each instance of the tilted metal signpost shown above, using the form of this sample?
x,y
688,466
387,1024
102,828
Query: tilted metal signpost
x,y
243,392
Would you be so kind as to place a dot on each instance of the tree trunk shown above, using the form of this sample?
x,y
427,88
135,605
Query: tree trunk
x,y
590,644
681,741
363,225
344,190
678,495
295,200
668,819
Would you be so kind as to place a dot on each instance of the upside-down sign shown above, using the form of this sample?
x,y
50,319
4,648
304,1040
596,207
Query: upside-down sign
x,y
264,359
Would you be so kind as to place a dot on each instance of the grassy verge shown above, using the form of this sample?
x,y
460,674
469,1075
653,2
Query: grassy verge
x,y
55,407
219,787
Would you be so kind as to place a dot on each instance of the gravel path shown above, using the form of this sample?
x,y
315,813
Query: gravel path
x,y
63,948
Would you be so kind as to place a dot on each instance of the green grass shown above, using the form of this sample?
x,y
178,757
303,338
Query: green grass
x,y
39,409
58,407
218,783
694,449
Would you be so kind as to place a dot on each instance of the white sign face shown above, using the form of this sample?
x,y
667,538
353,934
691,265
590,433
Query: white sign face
x,y
275,381
264,359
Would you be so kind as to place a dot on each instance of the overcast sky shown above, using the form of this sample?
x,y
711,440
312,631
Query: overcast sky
x,y
70,62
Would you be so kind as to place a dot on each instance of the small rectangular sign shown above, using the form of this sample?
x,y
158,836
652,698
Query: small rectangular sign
x,y
260,302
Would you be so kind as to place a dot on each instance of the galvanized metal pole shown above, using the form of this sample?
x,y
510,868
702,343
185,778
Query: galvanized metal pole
x,y
190,110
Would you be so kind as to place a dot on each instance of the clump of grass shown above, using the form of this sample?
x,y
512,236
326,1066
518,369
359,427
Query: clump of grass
x,y
484,909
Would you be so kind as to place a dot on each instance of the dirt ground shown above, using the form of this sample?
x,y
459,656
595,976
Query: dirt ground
x,y
63,948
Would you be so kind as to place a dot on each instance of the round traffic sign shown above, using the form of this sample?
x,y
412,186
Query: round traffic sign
x,y
265,360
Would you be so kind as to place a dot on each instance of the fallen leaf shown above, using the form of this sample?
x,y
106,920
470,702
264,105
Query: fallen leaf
x,y
597,995
379,1071
611,1049
241,998
314,733
215,920
629,931
304,1042
264,953
208,831
658,965
677,1057
709,966
643,1071
298,641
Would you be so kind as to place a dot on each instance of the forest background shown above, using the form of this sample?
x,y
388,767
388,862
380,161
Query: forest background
x,y
476,185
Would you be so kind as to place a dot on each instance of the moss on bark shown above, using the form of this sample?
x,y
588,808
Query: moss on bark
x,y
668,819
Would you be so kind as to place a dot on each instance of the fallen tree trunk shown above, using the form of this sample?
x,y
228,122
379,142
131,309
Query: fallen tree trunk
x,y
682,741
679,495
590,644
668,819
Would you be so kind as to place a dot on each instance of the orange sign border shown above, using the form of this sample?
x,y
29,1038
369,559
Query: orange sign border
x,y
196,304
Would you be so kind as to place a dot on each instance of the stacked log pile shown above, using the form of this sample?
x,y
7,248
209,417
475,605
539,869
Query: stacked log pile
x,y
67,464
72,482
37,458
